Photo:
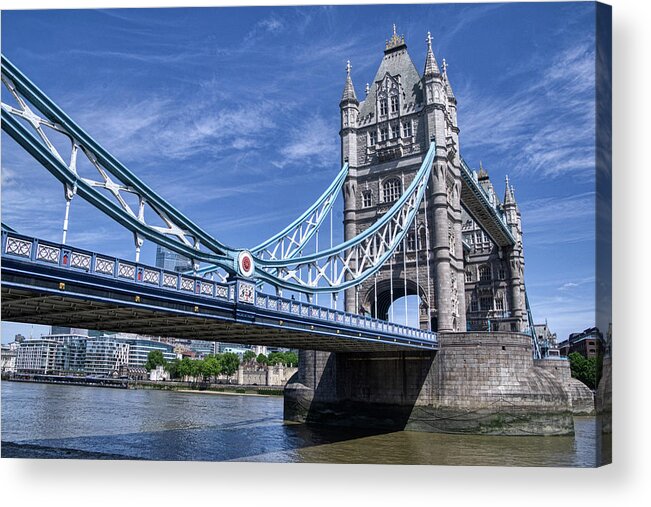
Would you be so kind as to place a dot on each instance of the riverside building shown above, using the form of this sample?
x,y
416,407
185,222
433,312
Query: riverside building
x,y
106,355
37,356
139,349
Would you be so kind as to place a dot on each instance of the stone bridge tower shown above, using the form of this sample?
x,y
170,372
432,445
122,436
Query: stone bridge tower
x,y
384,138
464,259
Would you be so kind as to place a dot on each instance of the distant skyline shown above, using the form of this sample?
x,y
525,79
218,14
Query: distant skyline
x,y
232,115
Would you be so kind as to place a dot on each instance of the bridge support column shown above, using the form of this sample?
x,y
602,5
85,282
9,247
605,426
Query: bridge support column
x,y
515,286
481,383
441,248
350,230
314,382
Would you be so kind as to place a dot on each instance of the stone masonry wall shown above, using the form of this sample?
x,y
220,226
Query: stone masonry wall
x,y
476,383
581,397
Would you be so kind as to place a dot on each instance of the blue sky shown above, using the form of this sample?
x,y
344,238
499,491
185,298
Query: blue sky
x,y
232,115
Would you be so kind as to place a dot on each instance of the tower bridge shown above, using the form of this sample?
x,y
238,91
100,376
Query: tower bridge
x,y
417,221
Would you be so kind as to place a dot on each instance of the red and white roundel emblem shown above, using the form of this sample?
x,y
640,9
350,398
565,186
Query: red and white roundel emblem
x,y
245,263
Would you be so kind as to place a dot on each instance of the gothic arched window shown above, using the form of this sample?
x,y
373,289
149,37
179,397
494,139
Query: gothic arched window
x,y
367,199
411,241
383,107
406,129
485,273
391,189
394,103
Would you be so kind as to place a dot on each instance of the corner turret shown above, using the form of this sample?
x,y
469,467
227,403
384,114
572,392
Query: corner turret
x,y
433,84
349,106
431,67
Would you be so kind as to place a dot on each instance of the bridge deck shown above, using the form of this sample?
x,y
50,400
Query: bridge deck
x,y
41,286
486,215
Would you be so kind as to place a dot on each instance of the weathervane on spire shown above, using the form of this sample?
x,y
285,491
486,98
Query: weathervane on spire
x,y
348,67
429,41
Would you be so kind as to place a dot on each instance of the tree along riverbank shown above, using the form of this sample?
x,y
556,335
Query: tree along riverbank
x,y
162,385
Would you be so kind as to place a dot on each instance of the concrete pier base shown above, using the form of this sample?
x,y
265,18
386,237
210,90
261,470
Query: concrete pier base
x,y
480,383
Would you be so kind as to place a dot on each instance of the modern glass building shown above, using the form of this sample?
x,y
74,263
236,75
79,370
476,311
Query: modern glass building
x,y
105,355
139,349
36,356
171,261
63,330
70,355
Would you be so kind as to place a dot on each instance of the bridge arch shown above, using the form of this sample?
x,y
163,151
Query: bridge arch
x,y
385,299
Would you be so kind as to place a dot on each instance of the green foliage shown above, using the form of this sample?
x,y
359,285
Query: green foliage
x,y
154,358
275,358
206,369
249,356
230,363
262,359
286,358
291,359
584,369
212,366
185,367
172,368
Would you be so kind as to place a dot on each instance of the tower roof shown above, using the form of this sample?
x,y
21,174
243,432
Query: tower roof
x,y
483,174
446,80
431,67
349,88
509,197
396,62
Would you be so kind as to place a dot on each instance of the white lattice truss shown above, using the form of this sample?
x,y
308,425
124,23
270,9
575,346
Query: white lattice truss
x,y
295,240
354,261
279,261
114,181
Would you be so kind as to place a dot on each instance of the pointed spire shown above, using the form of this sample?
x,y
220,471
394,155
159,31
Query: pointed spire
x,y
483,175
509,197
446,81
431,67
349,89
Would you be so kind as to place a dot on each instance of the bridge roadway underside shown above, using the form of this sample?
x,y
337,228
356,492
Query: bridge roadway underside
x,y
33,294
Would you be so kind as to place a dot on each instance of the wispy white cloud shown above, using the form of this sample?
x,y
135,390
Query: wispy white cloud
x,y
546,127
269,25
578,283
559,220
313,142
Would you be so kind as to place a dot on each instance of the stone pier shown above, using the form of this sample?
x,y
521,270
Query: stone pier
x,y
482,383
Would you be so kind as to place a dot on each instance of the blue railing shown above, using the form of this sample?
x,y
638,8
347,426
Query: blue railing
x,y
237,292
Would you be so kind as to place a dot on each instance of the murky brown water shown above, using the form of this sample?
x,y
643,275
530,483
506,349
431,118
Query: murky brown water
x,y
69,421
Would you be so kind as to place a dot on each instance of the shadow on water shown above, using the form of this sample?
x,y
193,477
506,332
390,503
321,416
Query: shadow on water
x,y
235,443
45,421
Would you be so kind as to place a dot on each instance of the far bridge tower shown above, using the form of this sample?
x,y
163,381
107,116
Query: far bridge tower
x,y
463,281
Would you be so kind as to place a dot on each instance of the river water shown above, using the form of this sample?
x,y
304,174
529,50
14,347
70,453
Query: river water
x,y
55,421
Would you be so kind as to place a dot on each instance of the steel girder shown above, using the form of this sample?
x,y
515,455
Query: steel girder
x,y
329,271
486,214
359,258
292,239
180,234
